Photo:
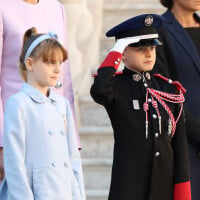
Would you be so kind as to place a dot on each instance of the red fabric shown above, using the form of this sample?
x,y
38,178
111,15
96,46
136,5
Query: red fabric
x,y
113,59
182,191
177,84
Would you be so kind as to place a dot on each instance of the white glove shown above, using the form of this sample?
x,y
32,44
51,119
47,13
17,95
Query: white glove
x,y
121,44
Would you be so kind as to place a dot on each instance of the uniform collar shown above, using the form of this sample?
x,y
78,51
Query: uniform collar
x,y
36,95
136,76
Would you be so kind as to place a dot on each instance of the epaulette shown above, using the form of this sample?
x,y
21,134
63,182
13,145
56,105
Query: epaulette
x,y
177,84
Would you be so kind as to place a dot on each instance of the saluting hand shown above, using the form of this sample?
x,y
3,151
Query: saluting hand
x,y
1,165
121,44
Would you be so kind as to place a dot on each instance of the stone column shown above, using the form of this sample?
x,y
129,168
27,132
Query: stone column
x,y
83,26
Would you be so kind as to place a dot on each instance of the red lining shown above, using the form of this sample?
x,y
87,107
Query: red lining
x,y
182,191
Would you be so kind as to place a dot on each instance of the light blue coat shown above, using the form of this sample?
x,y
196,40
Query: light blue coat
x,y
41,157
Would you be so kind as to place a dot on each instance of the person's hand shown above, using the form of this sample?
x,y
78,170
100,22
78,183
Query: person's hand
x,y
1,165
121,44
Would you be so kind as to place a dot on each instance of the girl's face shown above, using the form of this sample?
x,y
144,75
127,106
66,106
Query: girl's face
x,y
190,5
42,74
139,59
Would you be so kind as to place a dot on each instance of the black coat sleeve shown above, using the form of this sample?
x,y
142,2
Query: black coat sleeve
x,y
181,161
102,90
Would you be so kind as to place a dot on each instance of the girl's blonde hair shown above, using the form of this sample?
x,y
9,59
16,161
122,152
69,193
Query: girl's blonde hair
x,y
46,50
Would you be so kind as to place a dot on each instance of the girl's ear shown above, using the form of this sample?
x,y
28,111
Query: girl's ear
x,y
29,64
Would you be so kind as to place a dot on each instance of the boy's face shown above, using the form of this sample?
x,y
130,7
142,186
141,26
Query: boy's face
x,y
139,59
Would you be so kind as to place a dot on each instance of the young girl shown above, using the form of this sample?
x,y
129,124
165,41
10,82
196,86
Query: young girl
x,y
150,151
41,157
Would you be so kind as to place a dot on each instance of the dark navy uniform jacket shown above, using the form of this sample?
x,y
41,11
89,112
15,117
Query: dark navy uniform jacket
x,y
155,168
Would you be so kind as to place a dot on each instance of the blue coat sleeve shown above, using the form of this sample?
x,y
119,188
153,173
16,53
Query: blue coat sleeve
x,y
15,151
78,191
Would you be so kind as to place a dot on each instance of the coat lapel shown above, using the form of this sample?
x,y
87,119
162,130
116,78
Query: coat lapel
x,y
182,37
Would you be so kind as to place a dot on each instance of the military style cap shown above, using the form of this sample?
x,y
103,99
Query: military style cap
x,y
144,27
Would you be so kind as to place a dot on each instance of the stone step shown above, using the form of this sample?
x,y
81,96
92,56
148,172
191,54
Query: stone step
x,y
97,194
97,173
97,142
91,113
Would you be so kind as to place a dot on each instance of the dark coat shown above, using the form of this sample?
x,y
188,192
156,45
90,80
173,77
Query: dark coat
x,y
178,58
143,169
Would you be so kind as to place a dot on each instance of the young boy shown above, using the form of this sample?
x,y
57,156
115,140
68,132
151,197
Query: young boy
x,y
150,151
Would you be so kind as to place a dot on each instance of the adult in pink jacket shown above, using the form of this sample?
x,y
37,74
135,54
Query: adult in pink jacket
x,y
16,17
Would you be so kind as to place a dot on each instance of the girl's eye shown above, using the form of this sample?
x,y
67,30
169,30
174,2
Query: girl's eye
x,y
51,63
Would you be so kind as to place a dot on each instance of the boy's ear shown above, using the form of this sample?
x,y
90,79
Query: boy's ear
x,y
29,64
123,57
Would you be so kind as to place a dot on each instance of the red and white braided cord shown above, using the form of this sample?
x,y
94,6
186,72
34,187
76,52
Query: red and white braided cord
x,y
173,98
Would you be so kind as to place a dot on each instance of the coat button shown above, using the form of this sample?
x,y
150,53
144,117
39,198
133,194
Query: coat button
x,y
53,164
62,133
145,85
149,100
157,154
156,135
66,165
154,116
50,132
116,63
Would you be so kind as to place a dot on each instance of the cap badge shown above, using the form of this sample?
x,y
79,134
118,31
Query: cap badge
x,y
148,21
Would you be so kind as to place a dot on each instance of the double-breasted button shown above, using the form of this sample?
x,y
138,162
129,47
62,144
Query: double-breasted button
x,y
50,132
62,133
156,135
53,164
154,116
116,62
65,165
157,154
